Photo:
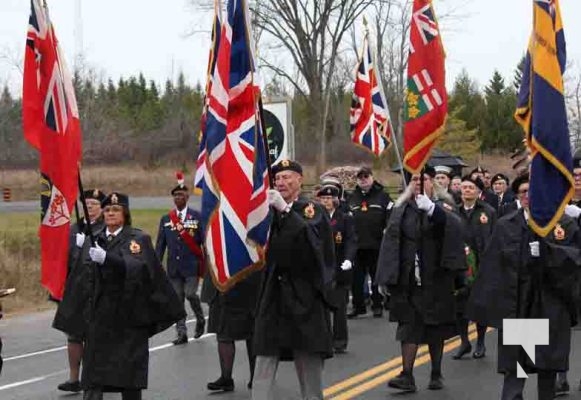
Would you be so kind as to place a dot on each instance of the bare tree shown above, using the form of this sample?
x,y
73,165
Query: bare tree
x,y
573,99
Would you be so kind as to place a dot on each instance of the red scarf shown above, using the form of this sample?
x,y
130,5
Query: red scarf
x,y
188,240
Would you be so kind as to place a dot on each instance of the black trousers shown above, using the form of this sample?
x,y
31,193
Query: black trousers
x,y
365,263
97,394
340,296
513,387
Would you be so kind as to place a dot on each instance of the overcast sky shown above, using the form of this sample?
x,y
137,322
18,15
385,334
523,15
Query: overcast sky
x,y
124,37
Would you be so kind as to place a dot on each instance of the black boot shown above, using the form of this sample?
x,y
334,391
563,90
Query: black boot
x,y
436,381
464,348
404,381
226,385
70,386
200,328
181,339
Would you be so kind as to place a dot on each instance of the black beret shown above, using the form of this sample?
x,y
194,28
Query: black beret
x,y
478,169
519,180
328,190
478,182
95,194
116,198
287,165
364,171
499,177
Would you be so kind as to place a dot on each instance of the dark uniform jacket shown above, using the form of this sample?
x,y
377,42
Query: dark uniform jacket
x,y
78,287
132,301
478,224
181,261
491,198
345,240
370,212
435,240
513,284
293,313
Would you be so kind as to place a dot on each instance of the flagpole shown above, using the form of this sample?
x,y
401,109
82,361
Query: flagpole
x,y
399,134
88,230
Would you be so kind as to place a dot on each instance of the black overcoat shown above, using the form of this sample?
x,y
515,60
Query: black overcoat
x,y
512,284
132,300
442,257
293,313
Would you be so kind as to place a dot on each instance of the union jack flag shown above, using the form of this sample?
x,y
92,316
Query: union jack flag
x,y
369,116
426,23
234,199
51,125
201,161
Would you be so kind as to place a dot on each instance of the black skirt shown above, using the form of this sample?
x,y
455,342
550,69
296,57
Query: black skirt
x,y
418,332
228,322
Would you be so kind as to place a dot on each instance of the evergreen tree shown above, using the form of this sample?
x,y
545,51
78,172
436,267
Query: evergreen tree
x,y
458,139
518,73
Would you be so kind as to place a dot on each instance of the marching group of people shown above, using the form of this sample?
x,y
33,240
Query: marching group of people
x,y
449,250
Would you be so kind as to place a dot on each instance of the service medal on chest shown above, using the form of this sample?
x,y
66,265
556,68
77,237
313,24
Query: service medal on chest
x,y
483,218
338,238
364,206
134,247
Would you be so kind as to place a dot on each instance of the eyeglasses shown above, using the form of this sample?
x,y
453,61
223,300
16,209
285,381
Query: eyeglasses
x,y
113,208
363,176
524,191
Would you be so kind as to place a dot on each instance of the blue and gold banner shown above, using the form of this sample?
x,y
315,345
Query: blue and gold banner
x,y
542,114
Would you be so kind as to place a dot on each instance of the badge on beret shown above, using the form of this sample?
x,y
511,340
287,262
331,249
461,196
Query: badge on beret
x,y
285,163
338,238
364,206
134,247
483,218
114,199
96,193
559,232
310,211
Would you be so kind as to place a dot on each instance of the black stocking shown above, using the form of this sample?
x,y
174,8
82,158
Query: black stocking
x,y
251,358
436,350
481,333
463,330
226,352
408,355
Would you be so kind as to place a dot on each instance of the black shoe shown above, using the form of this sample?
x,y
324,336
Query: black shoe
x,y
356,313
340,350
200,328
462,350
70,386
436,382
249,386
181,339
561,384
403,381
480,351
377,313
226,385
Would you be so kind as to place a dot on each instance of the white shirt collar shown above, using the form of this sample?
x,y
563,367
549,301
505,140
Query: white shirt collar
x,y
182,213
117,232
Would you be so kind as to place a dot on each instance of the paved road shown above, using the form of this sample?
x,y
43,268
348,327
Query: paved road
x,y
136,203
35,362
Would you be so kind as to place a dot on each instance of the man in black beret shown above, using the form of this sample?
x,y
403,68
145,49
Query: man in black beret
x,y
500,187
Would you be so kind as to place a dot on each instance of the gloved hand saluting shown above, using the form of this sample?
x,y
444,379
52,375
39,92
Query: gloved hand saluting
x,y
424,203
97,254
80,239
276,201
347,265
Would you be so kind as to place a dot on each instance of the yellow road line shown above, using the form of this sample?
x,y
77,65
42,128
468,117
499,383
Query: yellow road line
x,y
396,362
364,387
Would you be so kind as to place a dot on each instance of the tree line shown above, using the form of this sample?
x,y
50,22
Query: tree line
x,y
139,120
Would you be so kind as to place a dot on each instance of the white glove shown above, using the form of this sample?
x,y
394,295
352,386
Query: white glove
x,y
382,289
80,239
347,265
535,250
97,254
275,200
572,211
424,203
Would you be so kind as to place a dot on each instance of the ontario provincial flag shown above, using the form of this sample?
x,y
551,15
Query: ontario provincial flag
x,y
542,113
51,125
201,161
426,101
234,198
369,116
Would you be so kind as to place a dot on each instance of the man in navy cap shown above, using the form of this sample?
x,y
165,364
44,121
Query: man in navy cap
x,y
180,232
